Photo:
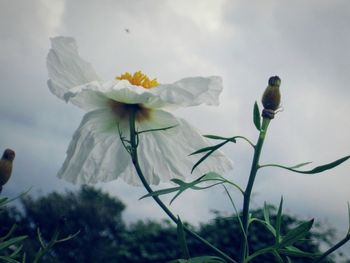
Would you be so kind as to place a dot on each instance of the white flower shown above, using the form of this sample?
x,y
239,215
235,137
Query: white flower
x,y
96,152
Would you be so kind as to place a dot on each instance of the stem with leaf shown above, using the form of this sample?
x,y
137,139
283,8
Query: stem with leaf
x,y
133,153
248,190
332,249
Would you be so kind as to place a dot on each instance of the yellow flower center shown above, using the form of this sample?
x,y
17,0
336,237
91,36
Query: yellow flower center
x,y
139,79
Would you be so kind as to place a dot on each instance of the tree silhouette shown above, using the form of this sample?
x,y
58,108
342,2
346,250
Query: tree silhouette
x,y
105,237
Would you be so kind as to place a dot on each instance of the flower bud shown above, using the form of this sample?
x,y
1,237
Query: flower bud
x,y
271,98
6,166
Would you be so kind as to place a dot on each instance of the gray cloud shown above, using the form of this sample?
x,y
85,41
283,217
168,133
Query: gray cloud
x,y
306,43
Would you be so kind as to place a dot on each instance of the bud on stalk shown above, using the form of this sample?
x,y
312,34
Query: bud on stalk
x,y
271,98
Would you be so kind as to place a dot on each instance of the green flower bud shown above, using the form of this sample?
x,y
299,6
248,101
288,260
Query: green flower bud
x,y
271,98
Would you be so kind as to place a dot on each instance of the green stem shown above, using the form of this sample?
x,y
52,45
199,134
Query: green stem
x,y
134,157
259,252
246,139
248,190
332,249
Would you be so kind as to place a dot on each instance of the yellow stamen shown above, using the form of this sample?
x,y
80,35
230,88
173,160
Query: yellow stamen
x,y
139,79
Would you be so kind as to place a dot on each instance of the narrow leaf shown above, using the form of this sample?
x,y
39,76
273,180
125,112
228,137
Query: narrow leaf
x,y
256,116
267,225
9,233
203,259
277,256
3,200
316,170
178,182
279,221
15,252
69,237
177,195
208,154
296,252
6,200
300,165
266,213
182,239
349,219
205,149
161,192
40,238
236,211
216,137
212,177
296,234
157,129
7,259
11,242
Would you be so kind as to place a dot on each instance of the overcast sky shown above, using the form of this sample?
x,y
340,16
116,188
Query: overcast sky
x,y
306,43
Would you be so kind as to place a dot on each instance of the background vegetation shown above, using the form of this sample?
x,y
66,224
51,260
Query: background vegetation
x,y
105,237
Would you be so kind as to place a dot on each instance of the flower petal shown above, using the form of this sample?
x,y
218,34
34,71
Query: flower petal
x,y
66,68
95,153
188,92
164,155
158,119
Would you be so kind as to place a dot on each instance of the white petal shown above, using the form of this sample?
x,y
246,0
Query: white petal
x,y
94,95
188,92
88,97
66,68
165,154
123,91
158,119
95,152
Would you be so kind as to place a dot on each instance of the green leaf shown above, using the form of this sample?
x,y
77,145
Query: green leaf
x,y
7,259
207,149
256,116
69,237
157,129
12,229
203,259
300,165
296,234
182,239
214,148
231,139
277,256
316,170
161,192
178,182
279,221
266,213
213,177
216,137
16,252
349,219
236,211
267,225
296,252
3,200
40,238
11,242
